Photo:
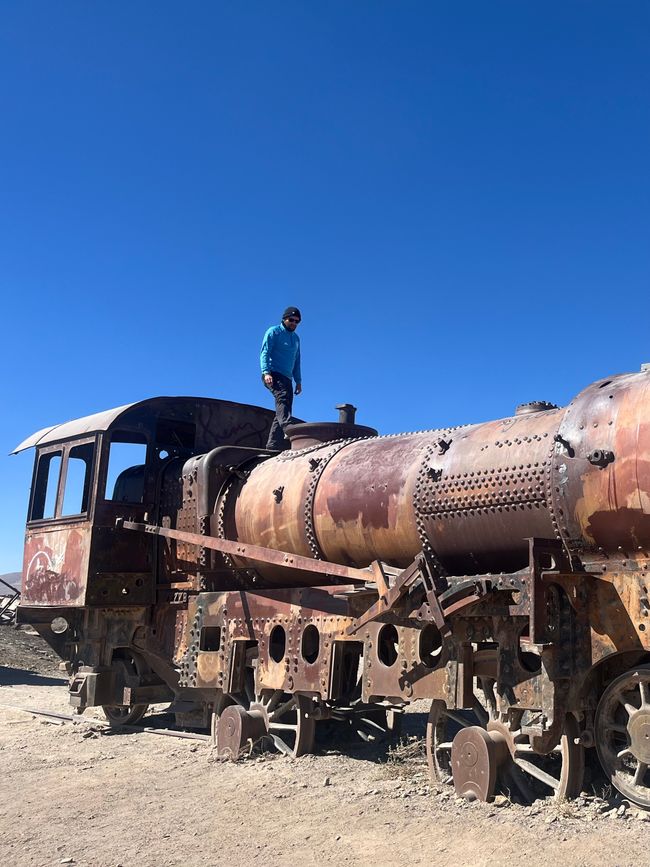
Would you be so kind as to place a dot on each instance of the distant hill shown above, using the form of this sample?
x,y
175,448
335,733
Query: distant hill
x,y
13,578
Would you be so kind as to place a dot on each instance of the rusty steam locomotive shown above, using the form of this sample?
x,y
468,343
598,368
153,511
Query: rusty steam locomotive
x,y
498,569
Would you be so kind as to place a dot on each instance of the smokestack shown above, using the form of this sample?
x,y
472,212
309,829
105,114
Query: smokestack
x,y
347,413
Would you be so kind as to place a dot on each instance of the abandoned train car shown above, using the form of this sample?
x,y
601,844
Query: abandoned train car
x,y
499,570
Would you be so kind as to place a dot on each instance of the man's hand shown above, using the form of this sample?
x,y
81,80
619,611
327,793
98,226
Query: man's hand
x,y
298,388
268,379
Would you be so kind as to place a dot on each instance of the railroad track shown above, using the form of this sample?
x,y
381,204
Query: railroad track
x,y
77,720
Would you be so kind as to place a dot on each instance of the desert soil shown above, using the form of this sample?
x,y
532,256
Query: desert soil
x,y
77,794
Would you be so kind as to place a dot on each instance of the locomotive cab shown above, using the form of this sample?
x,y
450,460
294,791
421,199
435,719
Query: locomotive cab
x,y
95,471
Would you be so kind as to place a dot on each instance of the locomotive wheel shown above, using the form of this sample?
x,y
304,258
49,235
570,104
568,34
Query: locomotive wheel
x,y
623,734
523,772
124,716
234,729
129,665
287,718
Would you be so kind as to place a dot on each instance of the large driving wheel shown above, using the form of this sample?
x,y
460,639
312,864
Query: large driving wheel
x,y
623,734
289,721
283,719
502,754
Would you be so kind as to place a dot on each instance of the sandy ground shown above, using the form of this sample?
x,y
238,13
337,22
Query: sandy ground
x,y
74,795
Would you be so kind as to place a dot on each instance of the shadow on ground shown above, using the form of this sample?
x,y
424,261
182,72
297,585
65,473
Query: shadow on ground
x,y
21,676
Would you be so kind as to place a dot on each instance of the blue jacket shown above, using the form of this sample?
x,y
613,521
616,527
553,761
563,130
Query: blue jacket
x,y
281,353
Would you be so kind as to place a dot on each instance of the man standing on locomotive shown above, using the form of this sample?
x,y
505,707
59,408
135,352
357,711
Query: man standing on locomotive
x,y
280,363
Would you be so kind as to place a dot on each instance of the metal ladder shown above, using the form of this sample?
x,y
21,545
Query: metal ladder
x,y
8,603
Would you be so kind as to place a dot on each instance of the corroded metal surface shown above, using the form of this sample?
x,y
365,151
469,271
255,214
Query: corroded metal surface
x,y
370,517
255,553
475,495
499,569
488,492
55,567
601,469
215,420
474,763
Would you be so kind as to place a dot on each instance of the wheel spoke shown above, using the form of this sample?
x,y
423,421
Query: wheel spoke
x,y
644,688
533,771
480,712
273,700
457,718
615,727
620,740
284,727
517,779
282,709
372,724
281,746
492,700
640,773
339,715
524,749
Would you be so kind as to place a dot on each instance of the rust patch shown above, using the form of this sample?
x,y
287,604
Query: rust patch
x,y
55,567
629,528
618,613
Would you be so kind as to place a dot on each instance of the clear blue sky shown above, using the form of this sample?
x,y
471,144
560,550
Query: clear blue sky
x,y
457,196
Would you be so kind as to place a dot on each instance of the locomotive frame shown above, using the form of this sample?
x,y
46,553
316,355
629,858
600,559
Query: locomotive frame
x,y
502,575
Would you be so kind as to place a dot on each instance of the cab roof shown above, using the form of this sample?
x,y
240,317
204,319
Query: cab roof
x,y
105,420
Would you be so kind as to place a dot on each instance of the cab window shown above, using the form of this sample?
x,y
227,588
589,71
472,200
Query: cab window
x,y
71,466
77,479
46,486
126,464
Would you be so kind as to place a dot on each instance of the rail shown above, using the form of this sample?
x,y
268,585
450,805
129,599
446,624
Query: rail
x,y
76,720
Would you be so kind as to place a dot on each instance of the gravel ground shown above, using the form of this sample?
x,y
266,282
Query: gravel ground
x,y
79,794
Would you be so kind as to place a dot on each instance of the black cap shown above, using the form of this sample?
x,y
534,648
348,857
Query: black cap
x,y
293,312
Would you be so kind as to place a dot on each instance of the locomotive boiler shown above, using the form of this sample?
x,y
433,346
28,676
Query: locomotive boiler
x,y
499,570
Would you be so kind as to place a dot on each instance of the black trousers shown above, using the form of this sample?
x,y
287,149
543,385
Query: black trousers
x,y
282,391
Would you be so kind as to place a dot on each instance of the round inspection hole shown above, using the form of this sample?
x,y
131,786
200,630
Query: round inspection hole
x,y
387,644
59,625
310,645
277,643
531,662
430,646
